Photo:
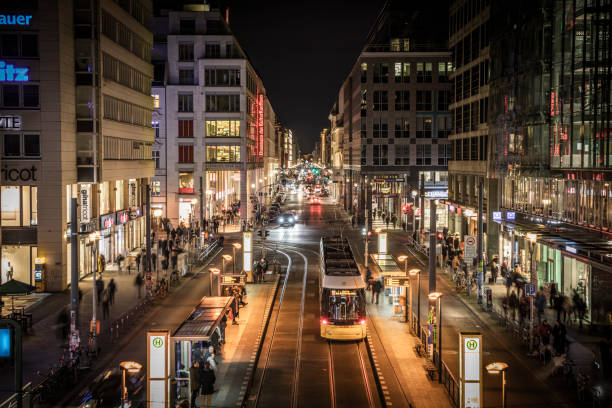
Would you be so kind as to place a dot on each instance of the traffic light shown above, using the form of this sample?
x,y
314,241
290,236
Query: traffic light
x,y
369,233
440,236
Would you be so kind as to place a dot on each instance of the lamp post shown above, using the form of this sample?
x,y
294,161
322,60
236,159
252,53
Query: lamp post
x,y
131,367
235,246
414,194
436,297
416,272
404,259
93,239
533,279
226,258
496,368
211,272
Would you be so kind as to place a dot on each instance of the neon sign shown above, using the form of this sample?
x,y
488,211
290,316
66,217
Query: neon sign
x,y
14,19
260,124
9,73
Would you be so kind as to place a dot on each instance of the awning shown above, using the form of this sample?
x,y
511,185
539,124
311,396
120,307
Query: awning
x,y
387,266
203,320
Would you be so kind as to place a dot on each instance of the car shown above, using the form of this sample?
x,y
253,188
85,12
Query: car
x,y
315,200
286,219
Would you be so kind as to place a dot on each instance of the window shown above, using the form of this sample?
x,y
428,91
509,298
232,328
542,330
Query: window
x,y
400,44
185,103
444,70
380,155
445,153
423,155
185,153
364,102
29,45
402,128
364,129
187,26
223,154
222,77
222,103
443,100
120,72
20,145
229,50
30,96
10,95
185,128
185,51
222,128
186,182
402,155
364,72
156,159
445,126
381,101
423,127
10,199
186,76
380,128
10,45
155,188
424,72
364,154
402,72
402,101
473,148
381,73
126,112
155,100
155,126
423,101
213,50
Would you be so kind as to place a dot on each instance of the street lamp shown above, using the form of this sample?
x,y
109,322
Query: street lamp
x,y
404,259
414,194
496,368
235,245
226,258
437,296
131,367
412,273
93,239
534,281
211,272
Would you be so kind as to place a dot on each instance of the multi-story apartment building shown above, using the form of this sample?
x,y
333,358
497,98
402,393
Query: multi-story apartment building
x,y
550,120
336,132
288,147
471,165
395,105
75,122
218,127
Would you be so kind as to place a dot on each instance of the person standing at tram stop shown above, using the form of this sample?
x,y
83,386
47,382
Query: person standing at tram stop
x,y
194,381
376,288
207,382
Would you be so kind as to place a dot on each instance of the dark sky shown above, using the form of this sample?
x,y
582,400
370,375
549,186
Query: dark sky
x,y
303,51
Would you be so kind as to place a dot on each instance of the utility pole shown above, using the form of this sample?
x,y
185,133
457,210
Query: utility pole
x,y
147,267
201,212
432,244
74,280
479,256
367,229
422,220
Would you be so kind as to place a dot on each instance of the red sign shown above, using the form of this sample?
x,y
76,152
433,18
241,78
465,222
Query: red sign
x,y
260,125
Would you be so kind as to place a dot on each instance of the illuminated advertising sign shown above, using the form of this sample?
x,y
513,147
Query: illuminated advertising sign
x,y
436,194
107,221
382,243
510,215
15,19
247,248
5,342
123,217
260,124
10,122
497,216
10,73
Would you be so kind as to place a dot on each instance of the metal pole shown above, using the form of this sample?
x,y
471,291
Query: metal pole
x,y
406,291
480,263
201,212
410,312
439,339
432,245
148,227
422,220
74,278
18,359
94,317
123,388
367,228
234,259
531,308
419,304
503,388
210,283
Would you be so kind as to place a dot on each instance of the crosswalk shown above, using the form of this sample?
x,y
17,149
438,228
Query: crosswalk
x,y
378,223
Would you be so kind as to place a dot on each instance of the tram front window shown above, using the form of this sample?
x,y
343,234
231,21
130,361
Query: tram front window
x,y
343,305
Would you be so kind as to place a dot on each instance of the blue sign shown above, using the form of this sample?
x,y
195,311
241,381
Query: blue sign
x,y
530,289
9,73
15,19
497,216
510,215
5,342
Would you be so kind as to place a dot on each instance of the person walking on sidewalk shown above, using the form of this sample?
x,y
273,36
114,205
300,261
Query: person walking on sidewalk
x,y
540,303
105,305
376,288
139,282
559,331
207,382
138,257
154,261
112,288
99,288
194,381
394,220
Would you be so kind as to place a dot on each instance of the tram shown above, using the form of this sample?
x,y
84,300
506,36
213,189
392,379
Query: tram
x,y
341,292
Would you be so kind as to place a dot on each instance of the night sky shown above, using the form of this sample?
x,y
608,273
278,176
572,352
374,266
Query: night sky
x,y
303,51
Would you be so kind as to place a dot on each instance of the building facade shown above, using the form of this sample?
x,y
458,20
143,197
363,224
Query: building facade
x,y
217,145
75,122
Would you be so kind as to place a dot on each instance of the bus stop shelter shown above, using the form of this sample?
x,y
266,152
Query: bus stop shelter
x,y
386,265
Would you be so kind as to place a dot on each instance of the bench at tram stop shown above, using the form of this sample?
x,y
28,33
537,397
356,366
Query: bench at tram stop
x,y
431,370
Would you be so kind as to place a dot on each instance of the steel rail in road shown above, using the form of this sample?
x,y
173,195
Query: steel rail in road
x,y
345,393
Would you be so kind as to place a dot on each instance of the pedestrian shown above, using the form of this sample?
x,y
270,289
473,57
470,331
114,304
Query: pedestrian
x,y
508,283
579,307
387,219
194,381
138,257
129,266
99,288
376,288
494,270
210,358
394,220
222,327
63,323
105,305
558,305
112,288
540,303
504,269
553,294
368,277
154,261
207,384
139,282
513,303
164,265
559,331
544,332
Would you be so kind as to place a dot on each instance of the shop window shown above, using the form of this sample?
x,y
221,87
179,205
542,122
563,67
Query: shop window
x,y
222,128
186,182
185,128
185,153
10,199
155,188
17,262
222,154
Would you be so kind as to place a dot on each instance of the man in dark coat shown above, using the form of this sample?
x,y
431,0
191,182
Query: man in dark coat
x,y
207,382
194,381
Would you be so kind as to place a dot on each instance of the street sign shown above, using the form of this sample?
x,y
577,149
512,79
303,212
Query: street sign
x,y
469,247
396,281
530,289
157,368
470,369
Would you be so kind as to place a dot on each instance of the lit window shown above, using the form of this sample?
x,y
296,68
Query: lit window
x,y
222,128
186,182
155,188
155,100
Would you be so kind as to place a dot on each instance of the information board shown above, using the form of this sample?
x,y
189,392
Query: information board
x,y
470,369
469,247
396,281
157,368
